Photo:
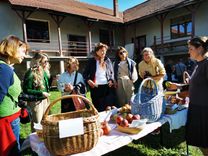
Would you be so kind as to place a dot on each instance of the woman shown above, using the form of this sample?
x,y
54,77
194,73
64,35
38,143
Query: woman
x,y
36,83
197,121
152,67
125,75
71,82
99,76
12,51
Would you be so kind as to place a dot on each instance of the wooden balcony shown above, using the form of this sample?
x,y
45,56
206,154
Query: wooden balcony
x,y
170,46
69,48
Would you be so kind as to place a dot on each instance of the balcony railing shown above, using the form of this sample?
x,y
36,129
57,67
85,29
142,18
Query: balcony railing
x,y
170,46
69,48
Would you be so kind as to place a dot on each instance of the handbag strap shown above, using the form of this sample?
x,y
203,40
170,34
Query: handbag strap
x,y
75,78
143,82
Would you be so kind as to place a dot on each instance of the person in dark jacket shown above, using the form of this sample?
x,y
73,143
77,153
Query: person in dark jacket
x,y
197,121
99,75
125,75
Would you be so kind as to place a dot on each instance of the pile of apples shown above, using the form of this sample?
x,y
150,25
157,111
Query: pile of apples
x,y
125,119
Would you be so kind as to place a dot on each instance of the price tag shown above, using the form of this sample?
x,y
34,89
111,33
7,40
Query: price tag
x,y
71,127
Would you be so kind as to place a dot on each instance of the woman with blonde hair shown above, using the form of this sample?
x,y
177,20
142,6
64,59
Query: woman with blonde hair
x,y
125,74
151,67
36,83
71,82
99,75
12,51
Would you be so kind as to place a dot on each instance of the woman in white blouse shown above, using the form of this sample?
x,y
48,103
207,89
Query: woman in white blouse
x,y
99,76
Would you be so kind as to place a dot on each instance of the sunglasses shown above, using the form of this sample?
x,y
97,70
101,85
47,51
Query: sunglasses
x,y
122,52
46,61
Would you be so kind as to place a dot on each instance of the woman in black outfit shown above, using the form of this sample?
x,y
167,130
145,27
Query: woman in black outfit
x,y
99,75
197,120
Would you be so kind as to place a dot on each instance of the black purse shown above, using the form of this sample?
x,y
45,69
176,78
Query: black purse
x,y
25,114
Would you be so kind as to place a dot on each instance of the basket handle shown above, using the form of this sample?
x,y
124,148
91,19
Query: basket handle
x,y
185,77
66,97
140,87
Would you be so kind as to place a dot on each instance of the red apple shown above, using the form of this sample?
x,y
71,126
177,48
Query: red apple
x,y
106,128
136,117
129,117
124,123
119,119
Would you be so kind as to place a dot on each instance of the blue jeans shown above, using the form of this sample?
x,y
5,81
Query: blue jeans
x,y
16,130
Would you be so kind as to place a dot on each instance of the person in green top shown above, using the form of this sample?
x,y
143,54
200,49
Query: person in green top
x,y
36,83
12,51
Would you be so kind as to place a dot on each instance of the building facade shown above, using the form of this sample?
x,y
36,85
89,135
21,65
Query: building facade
x,y
71,28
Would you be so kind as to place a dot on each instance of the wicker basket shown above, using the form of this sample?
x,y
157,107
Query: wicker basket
x,y
74,144
146,105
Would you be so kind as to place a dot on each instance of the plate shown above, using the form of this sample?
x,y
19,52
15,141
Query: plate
x,y
129,130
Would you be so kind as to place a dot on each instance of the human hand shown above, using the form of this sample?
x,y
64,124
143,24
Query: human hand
x,y
68,87
92,84
110,83
46,94
171,85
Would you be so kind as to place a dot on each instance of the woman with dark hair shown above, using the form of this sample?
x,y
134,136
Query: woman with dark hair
x,y
36,83
12,51
99,75
197,121
125,75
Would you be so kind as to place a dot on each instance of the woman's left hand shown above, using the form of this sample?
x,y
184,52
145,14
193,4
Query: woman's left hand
x,y
110,83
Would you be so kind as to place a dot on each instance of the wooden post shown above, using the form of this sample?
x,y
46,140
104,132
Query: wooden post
x,y
58,20
89,25
161,19
23,14
155,43
193,9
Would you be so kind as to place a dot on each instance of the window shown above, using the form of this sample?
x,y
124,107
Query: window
x,y
181,26
106,37
77,45
37,31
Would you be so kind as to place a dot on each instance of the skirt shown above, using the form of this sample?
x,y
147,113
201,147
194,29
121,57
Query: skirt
x,y
197,126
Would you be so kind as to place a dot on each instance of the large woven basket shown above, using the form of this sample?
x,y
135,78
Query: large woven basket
x,y
147,105
74,144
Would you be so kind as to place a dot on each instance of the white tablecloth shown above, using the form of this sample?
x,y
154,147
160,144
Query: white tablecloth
x,y
114,140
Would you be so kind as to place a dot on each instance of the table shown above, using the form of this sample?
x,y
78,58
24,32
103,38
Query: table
x,y
115,139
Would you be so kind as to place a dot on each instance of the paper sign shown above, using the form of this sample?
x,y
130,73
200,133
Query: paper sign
x,y
71,127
